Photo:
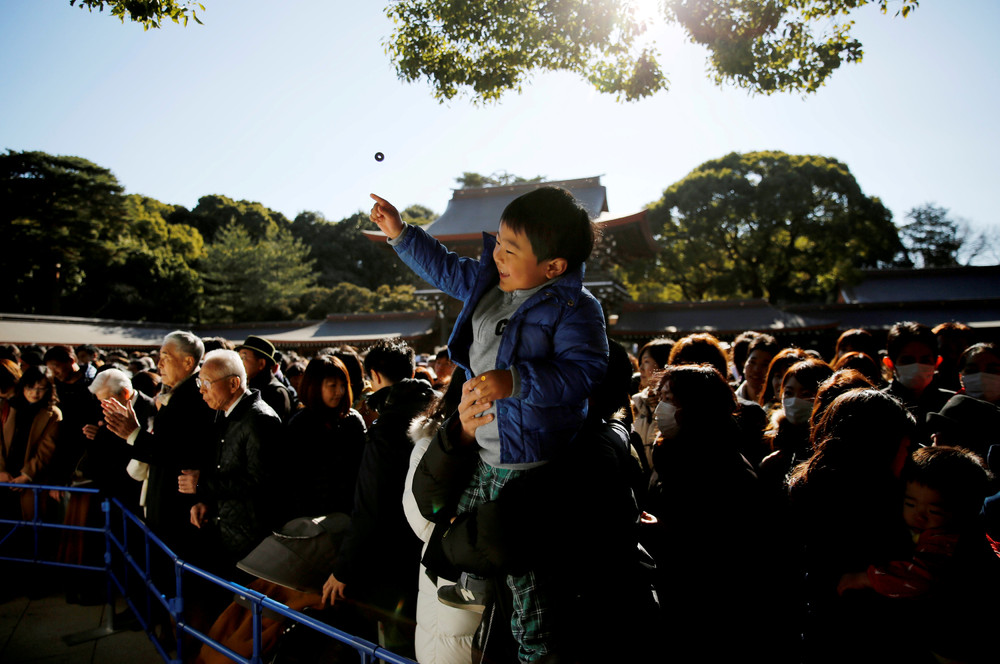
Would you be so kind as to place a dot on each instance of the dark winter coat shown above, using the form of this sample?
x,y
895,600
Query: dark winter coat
x,y
713,543
379,558
323,459
573,521
241,489
183,438
274,393
107,457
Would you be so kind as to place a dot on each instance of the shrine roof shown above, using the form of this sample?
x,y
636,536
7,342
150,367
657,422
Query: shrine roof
x,y
477,209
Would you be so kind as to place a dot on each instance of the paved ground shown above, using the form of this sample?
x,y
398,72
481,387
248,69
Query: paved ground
x,y
34,623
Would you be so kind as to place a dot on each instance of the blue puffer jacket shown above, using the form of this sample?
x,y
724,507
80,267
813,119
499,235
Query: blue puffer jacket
x,y
556,341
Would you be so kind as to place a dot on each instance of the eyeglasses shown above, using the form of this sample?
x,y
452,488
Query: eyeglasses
x,y
205,384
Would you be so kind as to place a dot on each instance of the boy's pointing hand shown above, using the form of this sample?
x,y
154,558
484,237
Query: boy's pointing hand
x,y
386,217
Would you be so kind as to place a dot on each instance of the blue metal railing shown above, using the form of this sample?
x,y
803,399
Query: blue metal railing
x,y
120,544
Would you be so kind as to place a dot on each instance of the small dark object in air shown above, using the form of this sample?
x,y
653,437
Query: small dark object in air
x,y
379,156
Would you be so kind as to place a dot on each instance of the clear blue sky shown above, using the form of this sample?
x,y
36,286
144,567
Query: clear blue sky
x,y
286,103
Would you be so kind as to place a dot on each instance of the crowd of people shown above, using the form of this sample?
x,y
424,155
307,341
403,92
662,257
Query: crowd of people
x,y
535,492
823,509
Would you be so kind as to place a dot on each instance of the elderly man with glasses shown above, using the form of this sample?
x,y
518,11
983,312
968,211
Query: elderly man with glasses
x,y
236,492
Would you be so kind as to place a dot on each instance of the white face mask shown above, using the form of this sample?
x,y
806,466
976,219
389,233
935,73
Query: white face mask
x,y
915,376
666,419
985,386
797,410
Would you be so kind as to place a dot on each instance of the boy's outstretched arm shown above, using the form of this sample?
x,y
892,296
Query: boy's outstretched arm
x,y
386,216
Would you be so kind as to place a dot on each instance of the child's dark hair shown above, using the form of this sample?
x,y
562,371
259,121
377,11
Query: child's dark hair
x,y
554,222
960,476
392,358
903,333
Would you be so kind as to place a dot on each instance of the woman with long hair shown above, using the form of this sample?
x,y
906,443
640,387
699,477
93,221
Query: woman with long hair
x,y
30,433
787,435
706,500
326,439
846,503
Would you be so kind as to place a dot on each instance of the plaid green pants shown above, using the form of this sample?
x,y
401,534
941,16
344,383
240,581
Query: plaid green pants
x,y
530,622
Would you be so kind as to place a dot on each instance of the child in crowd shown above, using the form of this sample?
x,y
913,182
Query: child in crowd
x,y
944,492
532,340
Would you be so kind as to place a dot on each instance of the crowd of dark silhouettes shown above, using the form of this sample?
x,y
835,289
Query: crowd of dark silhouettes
x,y
721,502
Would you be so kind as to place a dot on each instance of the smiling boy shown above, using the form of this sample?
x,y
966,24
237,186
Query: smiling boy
x,y
533,344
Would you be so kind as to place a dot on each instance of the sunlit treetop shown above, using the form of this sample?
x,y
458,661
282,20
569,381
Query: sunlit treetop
x,y
482,50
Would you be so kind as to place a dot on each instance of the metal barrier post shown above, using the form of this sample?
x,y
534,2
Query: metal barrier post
x,y
177,606
107,628
257,610
34,527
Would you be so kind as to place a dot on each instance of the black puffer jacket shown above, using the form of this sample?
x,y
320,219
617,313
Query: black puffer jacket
x,y
572,521
239,490
324,455
380,556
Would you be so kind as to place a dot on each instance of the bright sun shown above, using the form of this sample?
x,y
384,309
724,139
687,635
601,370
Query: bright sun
x,y
647,11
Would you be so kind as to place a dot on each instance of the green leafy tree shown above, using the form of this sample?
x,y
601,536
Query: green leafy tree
x,y
248,279
213,212
487,48
342,253
418,215
147,13
152,274
933,238
470,180
766,224
57,215
348,298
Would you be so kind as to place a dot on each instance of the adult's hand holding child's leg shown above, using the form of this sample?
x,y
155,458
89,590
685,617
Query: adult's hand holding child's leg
x,y
470,412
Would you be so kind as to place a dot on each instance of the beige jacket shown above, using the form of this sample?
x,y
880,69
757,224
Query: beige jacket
x,y
41,441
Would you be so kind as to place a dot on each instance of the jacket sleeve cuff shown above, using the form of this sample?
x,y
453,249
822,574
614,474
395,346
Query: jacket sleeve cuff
x,y
515,376
393,242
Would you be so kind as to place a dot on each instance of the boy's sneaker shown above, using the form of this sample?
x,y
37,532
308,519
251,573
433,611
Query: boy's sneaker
x,y
461,598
